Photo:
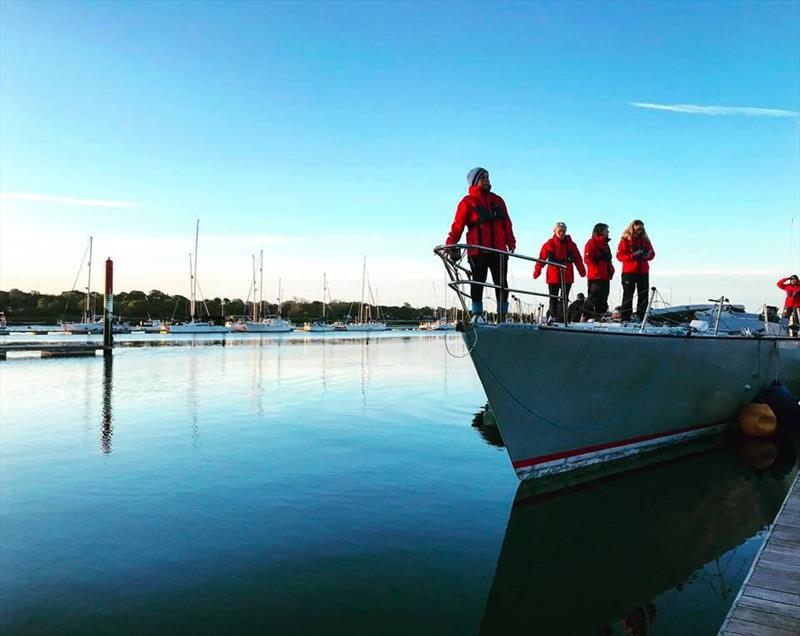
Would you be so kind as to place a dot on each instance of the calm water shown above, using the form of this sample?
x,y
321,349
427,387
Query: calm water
x,y
341,485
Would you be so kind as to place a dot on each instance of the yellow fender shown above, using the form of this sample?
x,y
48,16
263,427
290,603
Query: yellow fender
x,y
757,420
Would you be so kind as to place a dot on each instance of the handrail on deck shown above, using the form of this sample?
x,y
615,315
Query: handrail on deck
x,y
454,266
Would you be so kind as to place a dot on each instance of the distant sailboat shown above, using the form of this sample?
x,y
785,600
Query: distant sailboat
x,y
87,323
194,325
321,325
90,323
365,321
259,323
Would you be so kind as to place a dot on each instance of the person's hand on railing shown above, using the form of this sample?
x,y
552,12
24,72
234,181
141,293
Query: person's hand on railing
x,y
454,254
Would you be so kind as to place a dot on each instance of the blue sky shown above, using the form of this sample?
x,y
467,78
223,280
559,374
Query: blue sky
x,y
324,131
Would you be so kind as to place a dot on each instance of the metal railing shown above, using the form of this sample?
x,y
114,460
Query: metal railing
x,y
453,255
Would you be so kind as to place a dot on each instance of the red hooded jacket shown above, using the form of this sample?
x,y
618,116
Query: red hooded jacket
x,y
597,254
792,293
631,263
560,251
487,221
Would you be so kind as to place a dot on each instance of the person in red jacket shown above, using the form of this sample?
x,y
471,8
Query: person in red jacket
x,y
791,308
635,251
560,248
485,216
599,270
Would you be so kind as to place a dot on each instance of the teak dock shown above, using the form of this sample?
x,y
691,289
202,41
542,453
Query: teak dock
x,y
769,601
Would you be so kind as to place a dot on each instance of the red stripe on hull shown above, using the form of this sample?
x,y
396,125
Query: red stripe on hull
x,y
533,461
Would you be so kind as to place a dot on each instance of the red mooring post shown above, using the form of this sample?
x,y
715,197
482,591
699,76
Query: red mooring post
x,y
108,309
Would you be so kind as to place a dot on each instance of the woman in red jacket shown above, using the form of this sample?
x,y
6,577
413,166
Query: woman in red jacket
x,y
791,308
488,225
635,251
600,269
560,248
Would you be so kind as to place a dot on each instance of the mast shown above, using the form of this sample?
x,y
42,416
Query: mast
x,y
89,285
194,278
324,291
255,297
280,296
191,288
363,280
261,284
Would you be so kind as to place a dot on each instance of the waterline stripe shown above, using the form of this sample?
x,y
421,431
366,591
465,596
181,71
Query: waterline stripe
x,y
533,461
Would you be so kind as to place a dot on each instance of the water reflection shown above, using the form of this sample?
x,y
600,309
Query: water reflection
x,y
614,555
107,426
191,397
485,424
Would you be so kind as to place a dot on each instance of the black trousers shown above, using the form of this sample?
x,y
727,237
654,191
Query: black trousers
x,y
481,265
598,297
640,283
556,310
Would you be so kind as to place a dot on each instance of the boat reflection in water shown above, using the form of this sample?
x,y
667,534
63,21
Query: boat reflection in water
x,y
649,551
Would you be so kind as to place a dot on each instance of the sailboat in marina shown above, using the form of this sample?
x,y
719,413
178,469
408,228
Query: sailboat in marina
x,y
365,321
87,323
195,325
321,325
443,323
90,323
260,323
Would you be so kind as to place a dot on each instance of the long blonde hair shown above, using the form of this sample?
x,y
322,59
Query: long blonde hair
x,y
628,233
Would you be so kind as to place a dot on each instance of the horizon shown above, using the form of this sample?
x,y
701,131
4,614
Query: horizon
x,y
323,132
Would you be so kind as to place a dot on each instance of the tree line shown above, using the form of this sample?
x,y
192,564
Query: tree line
x,y
135,306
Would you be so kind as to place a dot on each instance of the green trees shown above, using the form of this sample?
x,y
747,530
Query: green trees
x,y
136,305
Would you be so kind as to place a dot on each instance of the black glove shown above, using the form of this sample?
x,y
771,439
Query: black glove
x,y
454,254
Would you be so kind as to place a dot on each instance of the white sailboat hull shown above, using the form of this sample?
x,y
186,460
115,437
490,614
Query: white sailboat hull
x,y
315,327
367,326
198,327
268,326
84,327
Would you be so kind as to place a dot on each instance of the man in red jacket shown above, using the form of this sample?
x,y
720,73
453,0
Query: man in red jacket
x,y
486,218
635,251
791,308
600,269
560,248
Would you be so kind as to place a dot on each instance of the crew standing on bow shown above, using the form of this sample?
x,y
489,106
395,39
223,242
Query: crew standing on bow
x,y
486,217
635,251
791,308
600,270
560,248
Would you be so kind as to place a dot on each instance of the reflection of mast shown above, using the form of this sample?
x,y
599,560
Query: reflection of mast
x,y
257,385
364,369
324,365
191,396
107,429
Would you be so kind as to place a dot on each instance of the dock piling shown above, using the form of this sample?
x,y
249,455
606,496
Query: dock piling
x,y
108,330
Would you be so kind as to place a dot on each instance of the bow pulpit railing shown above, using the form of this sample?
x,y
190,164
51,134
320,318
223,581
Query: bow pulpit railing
x,y
461,276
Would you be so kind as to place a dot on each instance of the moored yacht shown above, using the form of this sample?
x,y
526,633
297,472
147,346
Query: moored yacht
x,y
322,324
571,395
195,324
365,321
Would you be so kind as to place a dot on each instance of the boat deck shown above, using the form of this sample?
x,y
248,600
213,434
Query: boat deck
x,y
769,601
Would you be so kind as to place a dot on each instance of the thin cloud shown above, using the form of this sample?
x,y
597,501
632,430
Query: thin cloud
x,y
58,200
694,109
